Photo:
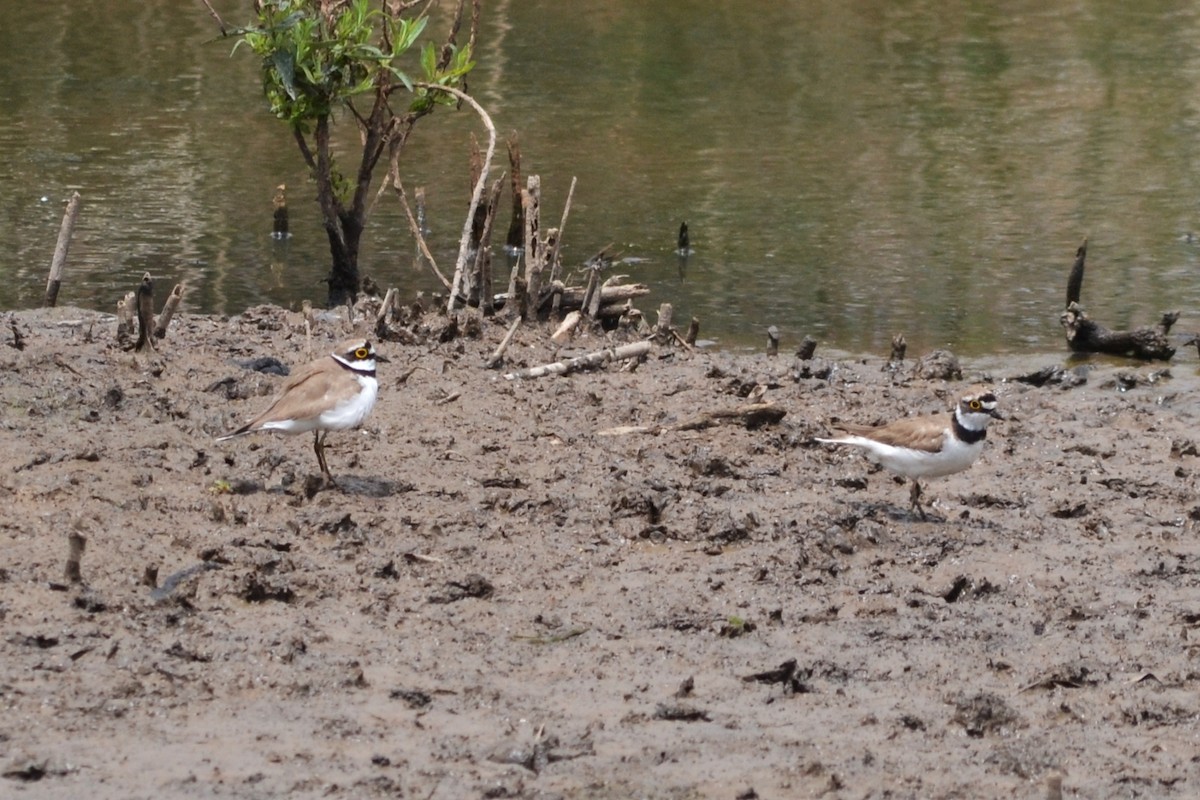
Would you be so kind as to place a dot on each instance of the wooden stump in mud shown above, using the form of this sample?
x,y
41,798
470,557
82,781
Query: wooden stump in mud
x,y
1085,335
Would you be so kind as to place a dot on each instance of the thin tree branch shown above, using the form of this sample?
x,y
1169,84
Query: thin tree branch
x,y
216,17
398,187
305,151
464,242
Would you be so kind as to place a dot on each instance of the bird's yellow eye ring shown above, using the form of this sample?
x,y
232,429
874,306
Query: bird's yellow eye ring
x,y
362,353
976,405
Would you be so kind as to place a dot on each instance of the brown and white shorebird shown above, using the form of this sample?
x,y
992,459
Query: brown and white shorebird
x,y
927,447
333,393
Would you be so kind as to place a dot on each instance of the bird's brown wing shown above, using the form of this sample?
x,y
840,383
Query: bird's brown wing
x,y
306,394
919,433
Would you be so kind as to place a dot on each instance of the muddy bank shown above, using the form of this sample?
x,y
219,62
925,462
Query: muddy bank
x,y
551,588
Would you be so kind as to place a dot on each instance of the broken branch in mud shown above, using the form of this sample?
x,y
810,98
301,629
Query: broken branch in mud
x,y
498,356
59,262
76,542
531,201
481,273
555,266
752,415
414,224
1084,335
125,314
169,309
635,350
476,195
145,314
566,330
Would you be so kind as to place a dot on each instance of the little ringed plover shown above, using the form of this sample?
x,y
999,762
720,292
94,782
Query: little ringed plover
x,y
927,447
333,393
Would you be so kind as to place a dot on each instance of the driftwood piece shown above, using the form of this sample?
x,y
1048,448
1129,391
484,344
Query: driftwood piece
x,y
145,314
169,309
554,261
609,301
516,227
563,333
751,415
502,348
126,311
531,200
59,262
635,350
76,542
693,331
464,249
772,341
482,273
1085,335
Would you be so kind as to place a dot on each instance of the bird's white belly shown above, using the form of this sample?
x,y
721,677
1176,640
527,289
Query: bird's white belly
x,y
955,456
351,414
348,414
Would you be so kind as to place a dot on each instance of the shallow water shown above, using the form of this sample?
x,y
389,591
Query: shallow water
x,y
846,170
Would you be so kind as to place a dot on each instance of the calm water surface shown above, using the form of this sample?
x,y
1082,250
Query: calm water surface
x,y
847,170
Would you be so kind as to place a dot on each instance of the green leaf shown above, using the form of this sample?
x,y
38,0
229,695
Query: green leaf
x,y
429,61
285,71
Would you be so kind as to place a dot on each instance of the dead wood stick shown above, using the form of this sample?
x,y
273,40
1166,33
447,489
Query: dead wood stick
x,y
145,314
59,262
169,309
531,199
18,342
555,266
635,350
415,227
498,356
573,296
516,226
385,308
751,415
567,328
1075,277
772,341
1085,335
125,314
476,195
666,318
76,542
693,331
216,17
483,255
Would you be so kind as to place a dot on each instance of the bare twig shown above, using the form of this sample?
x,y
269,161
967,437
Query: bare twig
x,y
145,314
216,17
476,195
76,542
634,350
59,262
415,227
498,356
555,267
169,309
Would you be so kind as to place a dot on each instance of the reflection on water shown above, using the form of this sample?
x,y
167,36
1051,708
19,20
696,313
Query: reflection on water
x,y
847,170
